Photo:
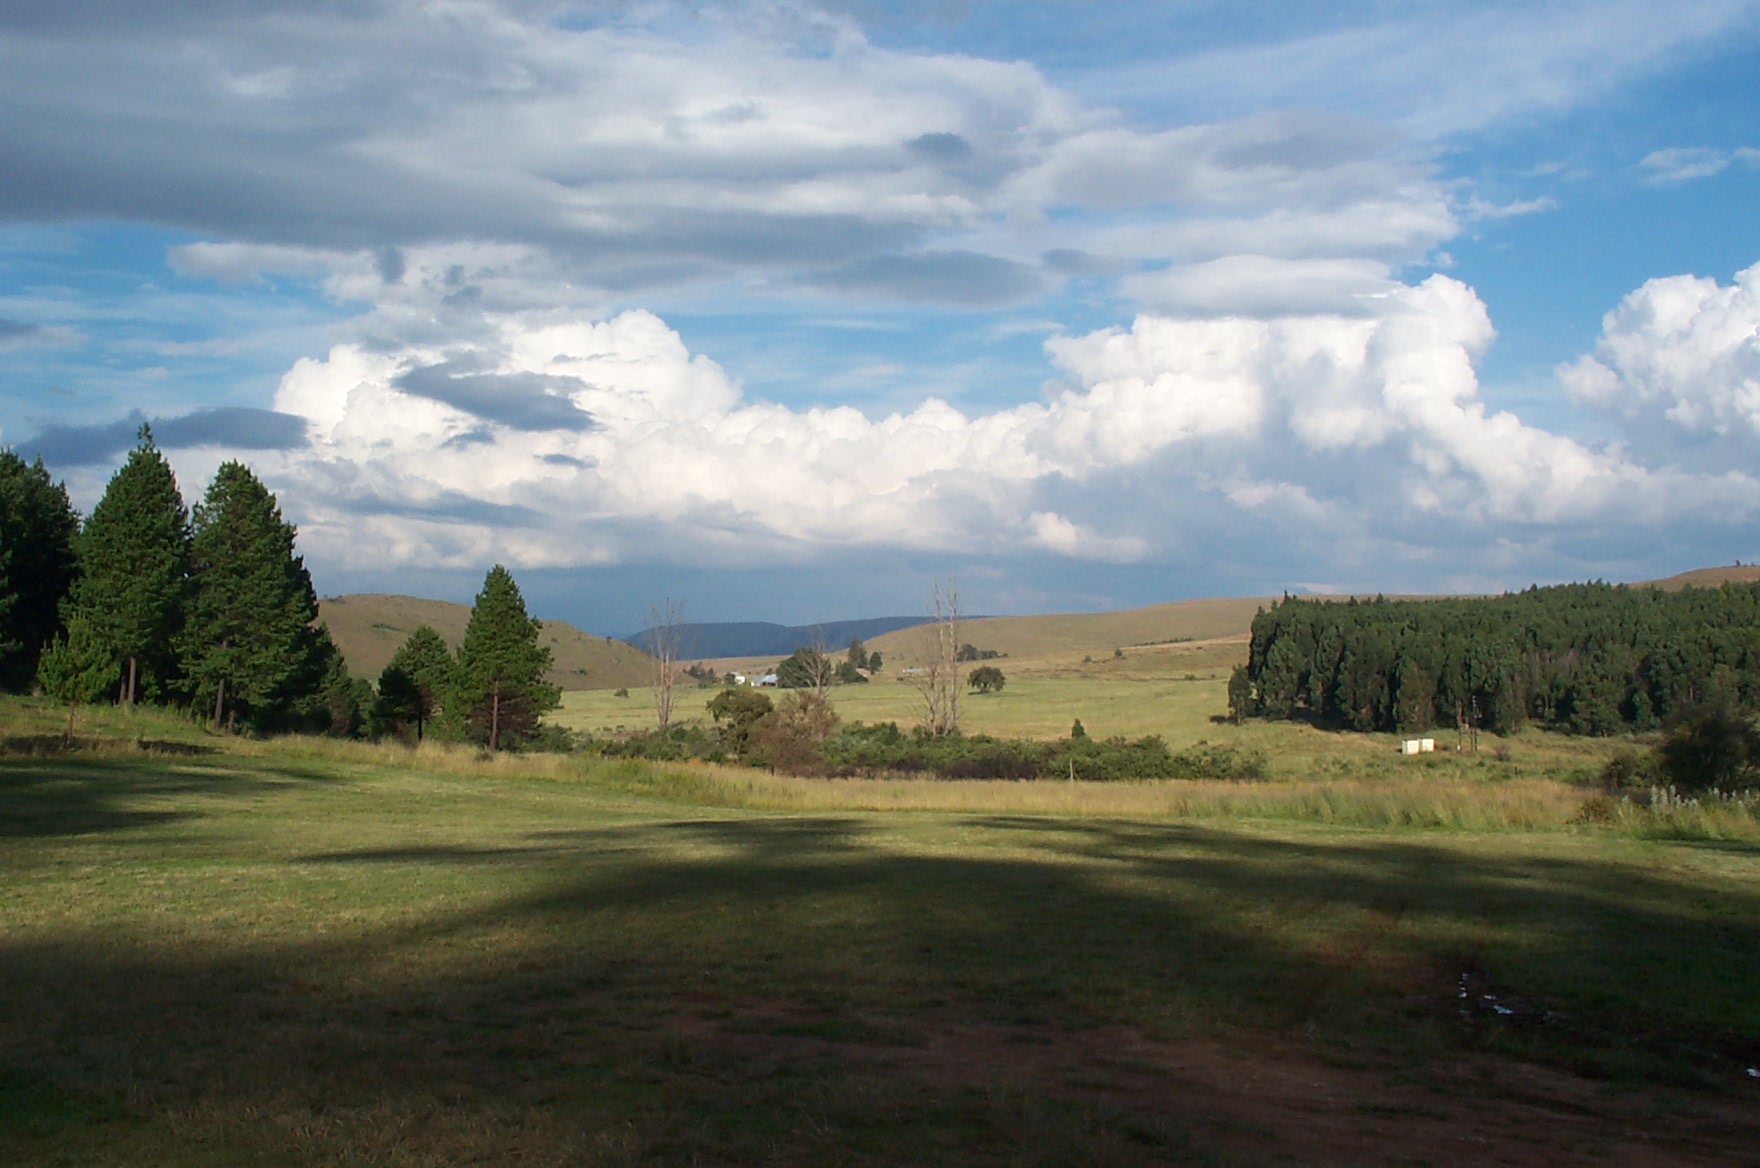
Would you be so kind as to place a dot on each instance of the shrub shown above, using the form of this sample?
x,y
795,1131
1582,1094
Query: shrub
x,y
986,679
791,737
1711,748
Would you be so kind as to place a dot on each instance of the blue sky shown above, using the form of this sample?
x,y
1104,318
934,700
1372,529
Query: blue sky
x,y
790,310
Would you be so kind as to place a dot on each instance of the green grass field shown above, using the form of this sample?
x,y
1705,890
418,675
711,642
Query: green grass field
x,y
218,951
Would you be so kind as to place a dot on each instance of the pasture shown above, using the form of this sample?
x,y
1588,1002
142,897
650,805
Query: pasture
x,y
219,951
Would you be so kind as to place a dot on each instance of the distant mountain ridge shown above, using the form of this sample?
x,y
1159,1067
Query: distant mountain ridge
x,y
762,638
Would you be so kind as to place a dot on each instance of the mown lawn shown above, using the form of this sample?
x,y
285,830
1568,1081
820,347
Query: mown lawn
x,y
293,953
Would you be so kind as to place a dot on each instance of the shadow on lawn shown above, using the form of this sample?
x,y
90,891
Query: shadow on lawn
x,y
87,796
564,998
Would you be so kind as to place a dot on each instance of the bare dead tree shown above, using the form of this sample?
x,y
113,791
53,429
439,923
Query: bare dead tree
x,y
820,666
937,681
665,632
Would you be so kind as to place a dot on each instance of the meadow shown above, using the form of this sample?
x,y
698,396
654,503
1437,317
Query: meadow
x,y
298,951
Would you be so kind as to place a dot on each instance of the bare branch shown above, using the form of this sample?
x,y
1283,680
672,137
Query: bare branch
x,y
665,631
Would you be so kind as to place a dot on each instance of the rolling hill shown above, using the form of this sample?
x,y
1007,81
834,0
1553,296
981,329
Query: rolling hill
x,y
1034,636
1710,577
369,627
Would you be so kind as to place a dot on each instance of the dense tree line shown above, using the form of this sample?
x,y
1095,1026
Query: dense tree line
x,y
1584,658
146,602
214,610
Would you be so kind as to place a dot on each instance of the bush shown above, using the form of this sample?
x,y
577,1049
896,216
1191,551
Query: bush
x,y
791,737
1711,748
986,679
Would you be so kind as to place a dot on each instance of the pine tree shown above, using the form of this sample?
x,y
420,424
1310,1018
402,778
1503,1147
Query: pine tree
x,y
76,667
38,526
248,645
416,683
501,688
134,568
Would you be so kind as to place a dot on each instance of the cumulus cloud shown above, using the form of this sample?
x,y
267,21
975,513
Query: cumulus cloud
x,y
1679,363
1304,422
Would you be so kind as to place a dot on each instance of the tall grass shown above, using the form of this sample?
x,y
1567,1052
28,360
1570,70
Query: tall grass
x,y
1380,799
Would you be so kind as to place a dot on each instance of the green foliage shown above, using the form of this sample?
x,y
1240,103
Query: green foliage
x,y
343,705
1590,659
1077,731
882,749
857,657
134,561
848,673
791,737
414,686
875,663
248,645
805,668
500,690
76,667
973,653
38,528
737,712
1241,702
986,679
1712,748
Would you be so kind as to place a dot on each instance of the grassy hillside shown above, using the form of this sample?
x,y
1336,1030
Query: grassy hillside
x,y
1094,632
368,628
1710,577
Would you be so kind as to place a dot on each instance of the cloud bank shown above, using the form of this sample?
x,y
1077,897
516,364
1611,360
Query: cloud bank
x,y
1369,425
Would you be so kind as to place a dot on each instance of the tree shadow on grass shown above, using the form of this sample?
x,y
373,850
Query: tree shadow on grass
x,y
88,796
561,1000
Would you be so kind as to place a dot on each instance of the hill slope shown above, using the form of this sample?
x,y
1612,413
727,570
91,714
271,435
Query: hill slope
x,y
1093,632
764,639
1710,577
369,627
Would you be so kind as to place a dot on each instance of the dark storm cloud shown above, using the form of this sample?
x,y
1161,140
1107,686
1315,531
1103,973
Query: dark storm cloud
x,y
521,401
937,277
233,427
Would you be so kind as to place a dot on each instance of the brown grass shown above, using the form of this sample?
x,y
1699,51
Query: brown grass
x,y
369,628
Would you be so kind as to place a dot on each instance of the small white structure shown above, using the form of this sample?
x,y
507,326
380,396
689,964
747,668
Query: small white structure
x,y
739,679
1418,746
764,679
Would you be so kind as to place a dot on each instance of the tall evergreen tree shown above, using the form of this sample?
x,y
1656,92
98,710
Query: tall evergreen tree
x,y
134,568
501,688
38,527
416,683
248,645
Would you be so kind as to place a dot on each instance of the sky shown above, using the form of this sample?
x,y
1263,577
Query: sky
x,y
789,311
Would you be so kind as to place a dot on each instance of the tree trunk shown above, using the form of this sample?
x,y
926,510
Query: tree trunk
x,y
131,678
219,702
495,716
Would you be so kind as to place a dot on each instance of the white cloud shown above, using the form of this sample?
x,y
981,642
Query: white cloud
x,y
1307,421
1444,69
1679,362
582,167
1685,163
